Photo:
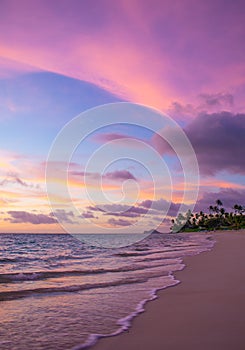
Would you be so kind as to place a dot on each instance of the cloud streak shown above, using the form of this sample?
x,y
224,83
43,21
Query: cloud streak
x,y
89,215
120,175
63,216
116,175
18,217
119,222
162,205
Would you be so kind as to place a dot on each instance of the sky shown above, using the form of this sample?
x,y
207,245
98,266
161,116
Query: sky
x,y
183,59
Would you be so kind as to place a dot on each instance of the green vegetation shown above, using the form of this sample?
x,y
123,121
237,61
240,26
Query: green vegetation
x,y
217,219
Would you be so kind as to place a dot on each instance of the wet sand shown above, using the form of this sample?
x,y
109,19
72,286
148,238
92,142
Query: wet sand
x,y
206,311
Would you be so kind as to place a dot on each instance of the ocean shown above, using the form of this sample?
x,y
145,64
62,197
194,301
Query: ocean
x,y
60,293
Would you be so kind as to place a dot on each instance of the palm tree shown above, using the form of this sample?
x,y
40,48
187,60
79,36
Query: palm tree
x,y
194,221
235,207
240,209
218,218
219,203
222,211
216,209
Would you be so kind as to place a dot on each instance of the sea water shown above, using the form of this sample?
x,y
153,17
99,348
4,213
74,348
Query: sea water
x,y
61,293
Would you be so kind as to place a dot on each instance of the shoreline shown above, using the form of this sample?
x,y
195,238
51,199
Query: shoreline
x,y
205,311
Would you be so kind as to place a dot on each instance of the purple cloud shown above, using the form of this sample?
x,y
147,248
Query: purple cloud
x,y
13,178
218,99
123,139
120,210
119,222
18,217
159,204
126,214
77,173
102,138
206,103
93,176
146,207
228,197
120,175
138,210
116,208
117,175
63,216
163,205
89,215
219,142
95,208
181,111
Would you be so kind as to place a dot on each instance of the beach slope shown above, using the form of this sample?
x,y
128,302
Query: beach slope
x,y
205,311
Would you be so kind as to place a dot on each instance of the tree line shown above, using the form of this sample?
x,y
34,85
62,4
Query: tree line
x,y
216,219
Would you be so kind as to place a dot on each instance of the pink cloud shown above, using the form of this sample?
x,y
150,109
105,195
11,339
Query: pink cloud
x,y
95,55
110,137
10,68
142,53
147,54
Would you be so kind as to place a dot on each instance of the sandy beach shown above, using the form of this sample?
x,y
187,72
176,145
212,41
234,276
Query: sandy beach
x,y
205,311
